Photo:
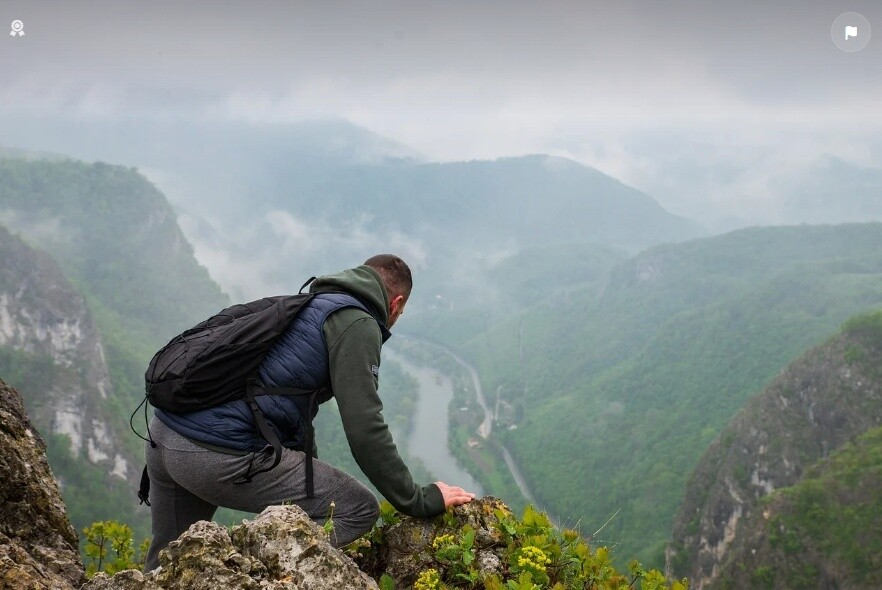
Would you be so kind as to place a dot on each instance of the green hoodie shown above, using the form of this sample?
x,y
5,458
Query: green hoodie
x,y
354,339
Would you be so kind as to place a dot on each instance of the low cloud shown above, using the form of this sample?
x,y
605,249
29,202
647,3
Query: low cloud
x,y
278,253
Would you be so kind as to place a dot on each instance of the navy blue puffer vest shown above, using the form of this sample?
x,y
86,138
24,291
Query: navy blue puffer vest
x,y
299,359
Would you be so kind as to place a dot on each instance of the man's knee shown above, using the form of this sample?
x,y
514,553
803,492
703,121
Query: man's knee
x,y
363,505
373,505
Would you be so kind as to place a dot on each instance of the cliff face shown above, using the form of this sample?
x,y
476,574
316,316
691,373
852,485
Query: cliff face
x,y
38,545
53,351
824,532
822,401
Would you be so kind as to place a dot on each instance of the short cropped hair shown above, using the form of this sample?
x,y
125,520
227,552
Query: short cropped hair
x,y
395,273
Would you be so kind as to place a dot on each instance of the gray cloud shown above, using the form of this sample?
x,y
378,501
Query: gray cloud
x,y
279,252
486,57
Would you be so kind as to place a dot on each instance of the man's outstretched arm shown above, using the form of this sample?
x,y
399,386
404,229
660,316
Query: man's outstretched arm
x,y
354,342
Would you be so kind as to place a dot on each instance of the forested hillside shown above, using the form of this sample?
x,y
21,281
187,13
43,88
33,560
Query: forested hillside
x,y
453,220
622,386
532,200
268,205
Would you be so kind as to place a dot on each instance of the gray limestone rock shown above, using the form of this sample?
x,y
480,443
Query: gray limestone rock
x,y
280,549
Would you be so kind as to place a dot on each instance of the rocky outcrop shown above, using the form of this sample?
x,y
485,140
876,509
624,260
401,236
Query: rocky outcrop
x,y
822,401
38,545
479,544
406,548
283,549
280,549
821,533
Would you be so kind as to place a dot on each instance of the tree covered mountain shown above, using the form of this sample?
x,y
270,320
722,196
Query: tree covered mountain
x,y
531,200
788,495
821,532
452,220
621,385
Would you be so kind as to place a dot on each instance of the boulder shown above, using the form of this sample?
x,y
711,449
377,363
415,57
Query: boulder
x,y
405,549
282,548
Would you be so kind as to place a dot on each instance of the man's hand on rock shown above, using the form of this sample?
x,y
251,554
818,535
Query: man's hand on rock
x,y
453,495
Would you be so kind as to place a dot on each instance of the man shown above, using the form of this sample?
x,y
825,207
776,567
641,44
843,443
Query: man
x,y
217,457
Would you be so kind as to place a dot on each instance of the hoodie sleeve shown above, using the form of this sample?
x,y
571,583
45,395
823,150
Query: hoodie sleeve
x,y
354,342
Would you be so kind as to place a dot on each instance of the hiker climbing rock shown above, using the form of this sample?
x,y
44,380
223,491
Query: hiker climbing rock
x,y
232,424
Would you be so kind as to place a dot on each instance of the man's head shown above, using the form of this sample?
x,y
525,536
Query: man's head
x,y
397,279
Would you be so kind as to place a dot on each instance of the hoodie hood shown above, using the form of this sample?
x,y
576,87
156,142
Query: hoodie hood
x,y
363,283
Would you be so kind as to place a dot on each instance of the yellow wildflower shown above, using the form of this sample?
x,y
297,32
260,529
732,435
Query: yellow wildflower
x,y
533,559
442,541
428,580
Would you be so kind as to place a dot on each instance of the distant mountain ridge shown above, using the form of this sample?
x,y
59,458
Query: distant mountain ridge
x,y
724,535
449,220
290,192
530,200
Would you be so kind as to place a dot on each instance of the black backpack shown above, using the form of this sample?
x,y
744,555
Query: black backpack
x,y
216,361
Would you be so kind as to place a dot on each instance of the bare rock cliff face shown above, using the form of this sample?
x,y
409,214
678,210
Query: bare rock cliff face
x,y
38,545
45,319
820,402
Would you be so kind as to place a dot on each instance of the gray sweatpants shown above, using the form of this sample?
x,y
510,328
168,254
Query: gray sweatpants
x,y
188,482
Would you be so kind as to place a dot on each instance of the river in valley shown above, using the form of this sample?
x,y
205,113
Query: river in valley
x,y
428,438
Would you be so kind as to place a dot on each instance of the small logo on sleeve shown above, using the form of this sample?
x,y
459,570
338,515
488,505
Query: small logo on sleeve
x,y
375,369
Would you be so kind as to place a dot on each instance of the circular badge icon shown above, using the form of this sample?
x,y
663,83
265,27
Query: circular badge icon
x,y
851,32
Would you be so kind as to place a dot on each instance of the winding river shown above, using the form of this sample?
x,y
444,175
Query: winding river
x,y
484,431
428,439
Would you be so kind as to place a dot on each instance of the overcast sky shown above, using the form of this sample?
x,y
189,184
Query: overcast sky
x,y
634,88
451,79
